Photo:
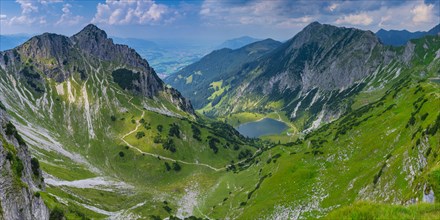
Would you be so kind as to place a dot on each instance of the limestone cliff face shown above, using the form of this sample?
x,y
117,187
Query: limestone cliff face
x,y
321,56
59,57
21,178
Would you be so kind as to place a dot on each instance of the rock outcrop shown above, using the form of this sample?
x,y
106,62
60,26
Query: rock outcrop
x,y
21,178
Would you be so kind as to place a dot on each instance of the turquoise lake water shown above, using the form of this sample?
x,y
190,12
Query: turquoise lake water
x,y
265,126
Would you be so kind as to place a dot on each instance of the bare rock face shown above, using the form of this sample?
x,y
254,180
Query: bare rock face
x,y
20,179
321,56
178,100
93,42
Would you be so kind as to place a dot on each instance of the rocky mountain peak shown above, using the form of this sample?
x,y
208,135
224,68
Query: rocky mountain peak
x,y
325,34
320,56
91,33
46,45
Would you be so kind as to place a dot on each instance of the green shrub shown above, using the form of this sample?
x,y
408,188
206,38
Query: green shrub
x,y
18,164
9,156
35,165
121,154
140,134
213,144
147,126
236,147
169,145
196,132
433,128
56,214
377,176
113,118
244,154
167,166
155,217
411,121
2,106
10,129
159,128
167,208
157,139
176,167
423,117
174,130
124,78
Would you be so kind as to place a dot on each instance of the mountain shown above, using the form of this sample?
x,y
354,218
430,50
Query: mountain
x,y
305,74
237,42
378,149
61,57
434,31
202,80
113,143
399,38
21,180
10,41
106,129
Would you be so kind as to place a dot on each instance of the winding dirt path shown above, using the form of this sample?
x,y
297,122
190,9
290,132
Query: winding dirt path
x,y
138,124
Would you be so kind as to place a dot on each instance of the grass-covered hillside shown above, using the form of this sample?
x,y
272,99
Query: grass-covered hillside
x,y
101,138
382,153
111,147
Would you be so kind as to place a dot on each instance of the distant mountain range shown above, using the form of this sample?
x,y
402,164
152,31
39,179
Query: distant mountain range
x,y
398,38
202,80
237,42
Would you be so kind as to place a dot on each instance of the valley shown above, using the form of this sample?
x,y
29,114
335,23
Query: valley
x,y
329,124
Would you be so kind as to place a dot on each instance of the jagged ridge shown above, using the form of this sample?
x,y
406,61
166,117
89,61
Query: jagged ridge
x,y
59,57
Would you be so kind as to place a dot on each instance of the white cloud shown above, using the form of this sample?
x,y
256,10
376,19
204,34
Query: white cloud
x,y
332,7
422,13
3,17
67,18
45,2
355,19
23,19
42,20
260,12
129,12
384,19
296,22
27,6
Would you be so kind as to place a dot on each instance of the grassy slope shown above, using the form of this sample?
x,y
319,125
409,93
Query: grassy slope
x,y
370,154
61,116
332,167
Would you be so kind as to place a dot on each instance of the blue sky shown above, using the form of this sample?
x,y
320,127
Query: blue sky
x,y
211,20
